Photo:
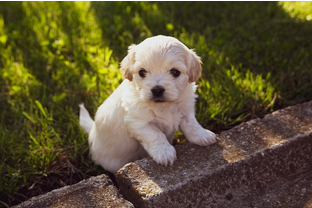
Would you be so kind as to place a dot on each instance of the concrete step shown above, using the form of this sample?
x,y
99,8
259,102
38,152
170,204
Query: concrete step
x,y
94,192
247,163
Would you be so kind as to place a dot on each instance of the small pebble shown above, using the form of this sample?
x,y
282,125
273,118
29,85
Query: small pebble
x,y
27,203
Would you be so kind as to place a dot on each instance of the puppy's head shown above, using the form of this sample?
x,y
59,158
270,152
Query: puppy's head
x,y
161,67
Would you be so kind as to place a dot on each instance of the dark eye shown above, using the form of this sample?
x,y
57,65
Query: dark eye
x,y
175,73
142,73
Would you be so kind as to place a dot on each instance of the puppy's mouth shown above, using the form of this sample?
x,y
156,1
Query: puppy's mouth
x,y
158,100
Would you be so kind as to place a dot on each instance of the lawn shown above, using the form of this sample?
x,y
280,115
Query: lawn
x,y
54,55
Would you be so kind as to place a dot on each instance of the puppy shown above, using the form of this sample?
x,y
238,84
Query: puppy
x,y
155,100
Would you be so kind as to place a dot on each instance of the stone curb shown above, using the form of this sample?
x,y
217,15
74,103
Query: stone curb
x,y
94,192
246,160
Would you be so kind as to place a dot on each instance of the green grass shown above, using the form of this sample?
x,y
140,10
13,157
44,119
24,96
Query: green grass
x,y
55,55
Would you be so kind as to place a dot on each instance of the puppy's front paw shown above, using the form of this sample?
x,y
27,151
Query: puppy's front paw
x,y
203,138
164,155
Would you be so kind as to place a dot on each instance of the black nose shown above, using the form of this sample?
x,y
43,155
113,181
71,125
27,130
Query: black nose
x,y
158,91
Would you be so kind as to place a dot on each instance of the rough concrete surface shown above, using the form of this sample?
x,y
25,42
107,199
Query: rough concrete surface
x,y
295,193
94,192
247,161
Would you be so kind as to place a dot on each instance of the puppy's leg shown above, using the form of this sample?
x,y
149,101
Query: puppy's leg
x,y
195,133
153,141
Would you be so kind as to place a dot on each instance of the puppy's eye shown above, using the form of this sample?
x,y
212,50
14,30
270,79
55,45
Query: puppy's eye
x,y
175,73
142,73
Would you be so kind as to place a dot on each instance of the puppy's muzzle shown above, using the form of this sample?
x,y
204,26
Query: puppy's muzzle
x,y
158,93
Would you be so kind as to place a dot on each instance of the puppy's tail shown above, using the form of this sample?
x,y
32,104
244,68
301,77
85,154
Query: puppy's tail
x,y
85,119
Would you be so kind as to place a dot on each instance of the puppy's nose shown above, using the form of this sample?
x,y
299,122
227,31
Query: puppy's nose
x,y
158,91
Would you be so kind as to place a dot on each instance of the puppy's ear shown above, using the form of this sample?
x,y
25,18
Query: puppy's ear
x,y
194,66
127,63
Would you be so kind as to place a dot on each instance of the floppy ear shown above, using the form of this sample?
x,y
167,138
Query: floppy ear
x,y
194,66
127,63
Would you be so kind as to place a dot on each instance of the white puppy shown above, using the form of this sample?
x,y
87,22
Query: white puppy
x,y
155,100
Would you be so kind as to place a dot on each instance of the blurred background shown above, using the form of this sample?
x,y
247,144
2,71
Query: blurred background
x,y
54,55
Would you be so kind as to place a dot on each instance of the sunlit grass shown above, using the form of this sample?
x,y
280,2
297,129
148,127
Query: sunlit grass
x,y
298,9
54,55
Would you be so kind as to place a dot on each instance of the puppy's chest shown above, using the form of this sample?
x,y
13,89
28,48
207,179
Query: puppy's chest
x,y
167,120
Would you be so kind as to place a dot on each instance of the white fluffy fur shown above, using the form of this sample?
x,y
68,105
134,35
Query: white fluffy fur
x,y
130,124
